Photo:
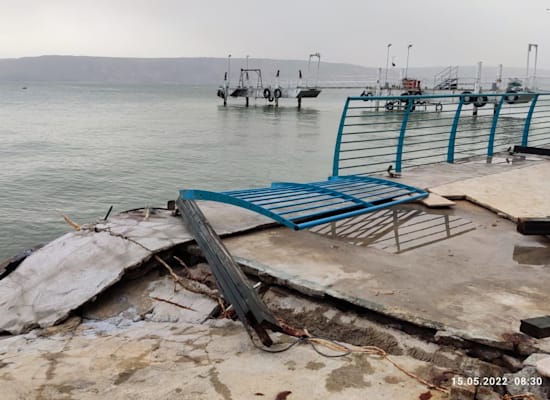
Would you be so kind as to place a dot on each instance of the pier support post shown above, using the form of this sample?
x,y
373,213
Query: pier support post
x,y
299,103
247,101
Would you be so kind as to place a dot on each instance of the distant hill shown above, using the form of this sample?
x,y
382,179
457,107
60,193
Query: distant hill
x,y
209,70
156,70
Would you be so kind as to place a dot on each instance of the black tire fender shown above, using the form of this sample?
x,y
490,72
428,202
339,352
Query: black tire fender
x,y
481,101
511,97
469,99
277,93
267,93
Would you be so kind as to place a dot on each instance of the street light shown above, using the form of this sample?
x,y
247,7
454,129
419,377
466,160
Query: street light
x,y
387,63
247,77
536,46
407,66
228,66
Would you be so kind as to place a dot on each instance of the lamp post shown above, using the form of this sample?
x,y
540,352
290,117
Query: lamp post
x,y
529,47
387,63
226,94
247,77
228,68
407,65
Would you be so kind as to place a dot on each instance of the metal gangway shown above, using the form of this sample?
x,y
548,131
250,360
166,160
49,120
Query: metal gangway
x,y
446,79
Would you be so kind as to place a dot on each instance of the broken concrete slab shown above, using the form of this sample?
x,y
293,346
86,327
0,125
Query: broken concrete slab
x,y
74,268
475,293
180,360
435,201
532,360
198,307
527,381
543,366
153,297
518,193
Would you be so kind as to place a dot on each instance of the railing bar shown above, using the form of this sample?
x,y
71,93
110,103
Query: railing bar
x,y
287,198
346,184
243,194
367,140
370,156
372,123
440,133
361,149
396,192
314,208
307,202
364,165
362,132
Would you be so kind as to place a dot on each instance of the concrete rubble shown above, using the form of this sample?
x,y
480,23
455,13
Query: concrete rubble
x,y
74,268
439,292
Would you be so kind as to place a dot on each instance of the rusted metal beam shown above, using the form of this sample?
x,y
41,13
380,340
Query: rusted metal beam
x,y
229,277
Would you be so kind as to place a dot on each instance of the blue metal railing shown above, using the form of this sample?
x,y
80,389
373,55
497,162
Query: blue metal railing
x,y
403,131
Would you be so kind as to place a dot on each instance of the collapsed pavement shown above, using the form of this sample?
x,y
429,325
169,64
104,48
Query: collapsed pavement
x,y
106,286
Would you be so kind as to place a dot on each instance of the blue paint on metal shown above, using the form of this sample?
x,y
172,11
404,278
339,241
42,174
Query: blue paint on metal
x,y
336,160
525,136
452,136
303,205
401,140
327,205
491,142
223,198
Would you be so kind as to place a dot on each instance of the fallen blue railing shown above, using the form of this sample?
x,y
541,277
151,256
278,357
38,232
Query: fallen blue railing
x,y
377,132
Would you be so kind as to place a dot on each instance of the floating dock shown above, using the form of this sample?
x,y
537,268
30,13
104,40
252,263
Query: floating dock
x,y
251,85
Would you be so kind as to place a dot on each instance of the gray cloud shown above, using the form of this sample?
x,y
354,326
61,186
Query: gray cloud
x,y
443,32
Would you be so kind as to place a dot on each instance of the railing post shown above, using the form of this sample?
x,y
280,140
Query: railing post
x,y
491,142
525,137
336,160
452,136
401,141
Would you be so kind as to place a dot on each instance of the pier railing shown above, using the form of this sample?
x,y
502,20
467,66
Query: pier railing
x,y
377,132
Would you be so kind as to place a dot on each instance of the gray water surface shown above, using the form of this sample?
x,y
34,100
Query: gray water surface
x,y
77,149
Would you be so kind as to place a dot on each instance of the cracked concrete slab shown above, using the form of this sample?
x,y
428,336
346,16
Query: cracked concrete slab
x,y
471,285
162,360
69,271
519,193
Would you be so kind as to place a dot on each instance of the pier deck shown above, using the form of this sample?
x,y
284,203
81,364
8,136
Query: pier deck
x,y
464,269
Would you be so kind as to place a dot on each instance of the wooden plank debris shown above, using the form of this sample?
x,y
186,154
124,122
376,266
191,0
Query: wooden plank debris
x,y
230,279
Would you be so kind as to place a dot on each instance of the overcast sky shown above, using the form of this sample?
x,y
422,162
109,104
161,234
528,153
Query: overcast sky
x,y
443,32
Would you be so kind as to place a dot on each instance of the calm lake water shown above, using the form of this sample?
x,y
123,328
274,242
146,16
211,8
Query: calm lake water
x,y
77,149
